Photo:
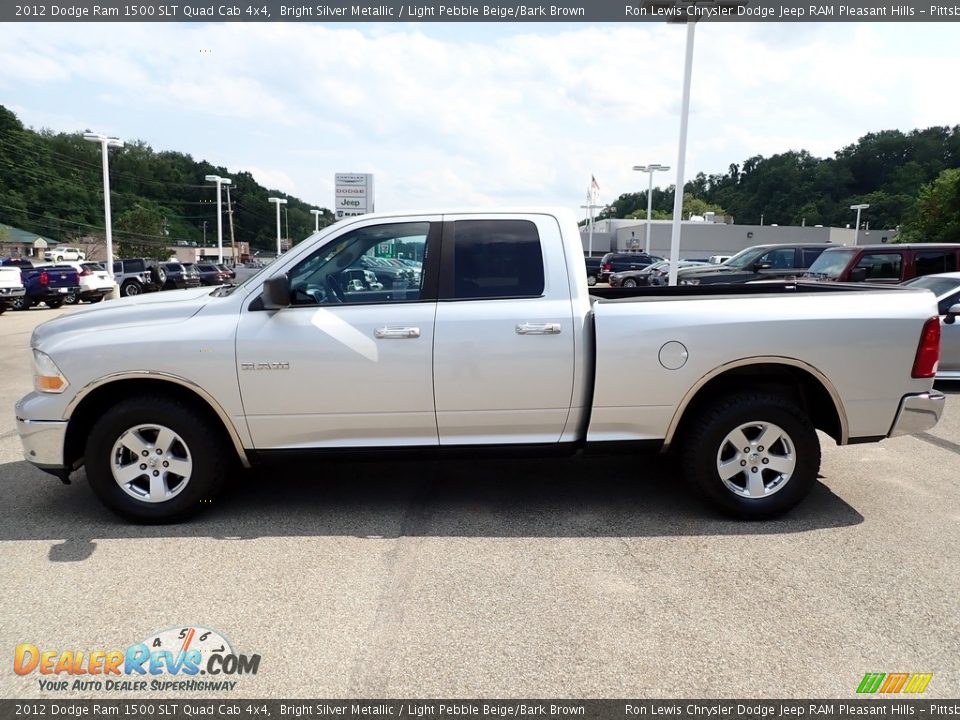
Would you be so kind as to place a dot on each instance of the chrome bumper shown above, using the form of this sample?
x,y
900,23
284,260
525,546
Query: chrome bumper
x,y
918,413
43,442
16,292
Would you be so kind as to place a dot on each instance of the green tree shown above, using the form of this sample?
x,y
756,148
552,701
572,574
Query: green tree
x,y
936,216
140,233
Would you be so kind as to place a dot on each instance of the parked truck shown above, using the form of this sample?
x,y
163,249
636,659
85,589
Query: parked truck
x,y
48,284
500,346
11,287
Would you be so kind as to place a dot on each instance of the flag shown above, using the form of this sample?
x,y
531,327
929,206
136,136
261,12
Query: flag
x,y
594,192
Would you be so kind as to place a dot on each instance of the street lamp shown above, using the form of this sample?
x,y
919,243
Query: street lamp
x,y
591,207
219,181
684,11
858,208
316,219
278,202
650,169
106,142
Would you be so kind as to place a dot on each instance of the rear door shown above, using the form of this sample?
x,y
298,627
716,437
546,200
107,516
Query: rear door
x,y
503,358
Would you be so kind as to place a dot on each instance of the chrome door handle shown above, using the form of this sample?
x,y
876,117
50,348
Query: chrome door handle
x,y
396,333
538,328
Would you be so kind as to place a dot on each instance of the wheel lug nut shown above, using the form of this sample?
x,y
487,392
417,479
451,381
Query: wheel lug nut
x,y
760,448
159,451
144,453
743,463
746,449
157,472
753,469
143,466
166,464
766,461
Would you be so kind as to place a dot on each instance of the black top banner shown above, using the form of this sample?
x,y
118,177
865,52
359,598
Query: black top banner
x,y
227,709
590,11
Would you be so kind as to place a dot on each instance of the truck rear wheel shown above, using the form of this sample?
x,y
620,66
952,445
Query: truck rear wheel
x,y
155,460
754,455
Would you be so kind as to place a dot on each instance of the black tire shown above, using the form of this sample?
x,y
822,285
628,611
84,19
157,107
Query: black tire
x,y
210,460
20,303
95,299
159,276
131,288
54,303
629,282
72,299
706,442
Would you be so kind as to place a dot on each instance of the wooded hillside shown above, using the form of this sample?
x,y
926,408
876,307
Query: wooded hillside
x,y
52,184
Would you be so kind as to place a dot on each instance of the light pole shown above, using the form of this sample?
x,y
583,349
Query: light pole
x,y
684,11
856,232
591,207
106,142
278,202
650,169
219,181
316,219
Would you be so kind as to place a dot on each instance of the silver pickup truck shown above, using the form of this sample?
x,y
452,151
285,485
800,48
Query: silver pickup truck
x,y
486,336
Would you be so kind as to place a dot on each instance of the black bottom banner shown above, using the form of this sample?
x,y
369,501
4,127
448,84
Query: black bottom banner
x,y
175,709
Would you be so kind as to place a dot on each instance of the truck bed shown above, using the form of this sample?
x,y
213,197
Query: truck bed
x,y
739,289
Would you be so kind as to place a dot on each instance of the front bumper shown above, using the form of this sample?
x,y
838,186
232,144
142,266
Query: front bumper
x,y
918,413
43,442
12,292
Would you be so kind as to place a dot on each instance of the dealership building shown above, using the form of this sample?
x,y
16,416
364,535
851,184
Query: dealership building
x,y
703,238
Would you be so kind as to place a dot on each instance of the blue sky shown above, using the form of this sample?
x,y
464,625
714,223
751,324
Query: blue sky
x,y
477,114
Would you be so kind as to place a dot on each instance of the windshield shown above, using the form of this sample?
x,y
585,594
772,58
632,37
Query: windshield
x,y
744,258
830,263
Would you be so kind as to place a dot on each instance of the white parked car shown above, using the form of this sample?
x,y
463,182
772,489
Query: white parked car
x,y
95,282
11,287
61,253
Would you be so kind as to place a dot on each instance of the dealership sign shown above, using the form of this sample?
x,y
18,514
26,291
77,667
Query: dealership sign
x,y
353,194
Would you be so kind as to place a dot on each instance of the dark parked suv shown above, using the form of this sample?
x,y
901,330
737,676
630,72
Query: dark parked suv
x,y
618,262
180,276
886,264
760,262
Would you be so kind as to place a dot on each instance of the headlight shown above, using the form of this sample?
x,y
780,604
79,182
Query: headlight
x,y
691,281
47,377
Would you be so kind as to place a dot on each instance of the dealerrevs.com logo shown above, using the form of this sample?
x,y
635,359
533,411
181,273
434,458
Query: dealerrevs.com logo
x,y
185,658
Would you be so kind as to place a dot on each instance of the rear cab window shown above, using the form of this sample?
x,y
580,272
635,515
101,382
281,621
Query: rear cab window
x,y
493,259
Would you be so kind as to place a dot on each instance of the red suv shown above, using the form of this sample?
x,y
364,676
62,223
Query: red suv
x,y
884,263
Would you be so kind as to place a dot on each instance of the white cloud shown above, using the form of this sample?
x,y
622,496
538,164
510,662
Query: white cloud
x,y
446,115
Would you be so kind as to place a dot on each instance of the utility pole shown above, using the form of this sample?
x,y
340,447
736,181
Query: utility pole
x,y
286,223
278,202
220,181
233,241
205,233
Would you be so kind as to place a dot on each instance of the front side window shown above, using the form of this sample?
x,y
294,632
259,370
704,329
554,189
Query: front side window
x,y
364,266
882,266
495,259
779,259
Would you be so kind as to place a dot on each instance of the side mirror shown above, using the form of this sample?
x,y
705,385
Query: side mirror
x,y
276,293
762,266
858,275
952,314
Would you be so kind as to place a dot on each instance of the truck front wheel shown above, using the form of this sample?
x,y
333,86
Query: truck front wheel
x,y
755,455
151,460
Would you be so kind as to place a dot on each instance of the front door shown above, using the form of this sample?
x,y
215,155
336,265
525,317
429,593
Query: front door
x,y
350,362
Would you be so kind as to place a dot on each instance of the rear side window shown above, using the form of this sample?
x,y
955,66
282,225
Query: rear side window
x,y
882,266
134,266
808,255
928,263
496,259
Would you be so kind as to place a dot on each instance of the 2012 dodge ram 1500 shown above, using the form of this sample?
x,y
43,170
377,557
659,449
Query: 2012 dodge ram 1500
x,y
488,337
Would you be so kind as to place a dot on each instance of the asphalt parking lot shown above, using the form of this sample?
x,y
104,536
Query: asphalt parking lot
x,y
590,577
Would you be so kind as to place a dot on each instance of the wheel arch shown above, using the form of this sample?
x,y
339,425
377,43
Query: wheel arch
x,y
96,397
810,387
